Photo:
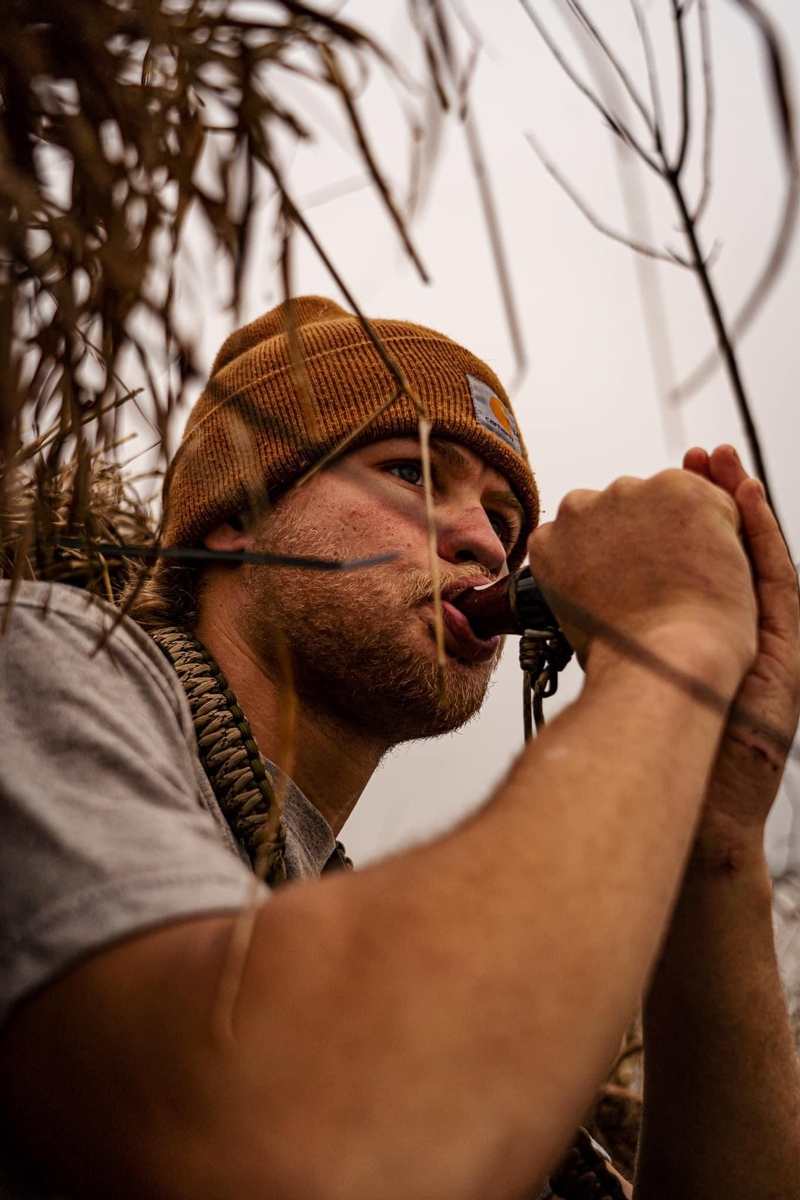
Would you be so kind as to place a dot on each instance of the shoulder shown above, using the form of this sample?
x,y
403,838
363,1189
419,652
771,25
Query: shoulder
x,y
105,832
55,637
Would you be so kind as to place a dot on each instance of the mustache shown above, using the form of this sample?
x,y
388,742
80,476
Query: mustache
x,y
418,585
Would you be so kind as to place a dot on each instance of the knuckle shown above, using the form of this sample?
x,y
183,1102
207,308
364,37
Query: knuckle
x,y
539,537
624,486
697,493
575,501
685,486
727,503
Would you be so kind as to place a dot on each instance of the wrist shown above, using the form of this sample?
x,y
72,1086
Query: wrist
x,y
724,903
688,656
724,849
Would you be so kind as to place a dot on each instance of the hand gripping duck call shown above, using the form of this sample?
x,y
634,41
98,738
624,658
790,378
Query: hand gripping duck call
x,y
515,605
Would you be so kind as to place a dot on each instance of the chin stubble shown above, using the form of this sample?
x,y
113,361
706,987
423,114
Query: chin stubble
x,y
350,643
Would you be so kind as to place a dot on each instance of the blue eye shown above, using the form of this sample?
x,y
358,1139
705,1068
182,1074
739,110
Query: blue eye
x,y
507,531
409,472
502,530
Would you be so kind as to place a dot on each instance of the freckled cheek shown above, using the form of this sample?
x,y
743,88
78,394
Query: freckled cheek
x,y
382,527
376,530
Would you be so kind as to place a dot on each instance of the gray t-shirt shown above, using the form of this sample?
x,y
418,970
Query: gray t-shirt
x,y
108,825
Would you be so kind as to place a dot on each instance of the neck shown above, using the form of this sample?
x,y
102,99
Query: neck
x,y
329,761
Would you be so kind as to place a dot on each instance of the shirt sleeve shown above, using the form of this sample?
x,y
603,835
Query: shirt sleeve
x,y
102,831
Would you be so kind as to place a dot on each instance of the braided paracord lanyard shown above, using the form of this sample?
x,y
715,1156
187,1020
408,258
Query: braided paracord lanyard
x,y
542,654
229,755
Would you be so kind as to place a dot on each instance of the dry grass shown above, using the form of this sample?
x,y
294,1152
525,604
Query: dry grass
x,y
119,119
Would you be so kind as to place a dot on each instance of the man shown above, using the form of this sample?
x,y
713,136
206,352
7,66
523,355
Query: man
x,y
436,1025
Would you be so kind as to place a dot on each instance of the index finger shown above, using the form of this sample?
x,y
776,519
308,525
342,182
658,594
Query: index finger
x,y
775,575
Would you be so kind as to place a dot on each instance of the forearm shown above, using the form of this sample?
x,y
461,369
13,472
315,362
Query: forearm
x,y
436,1025
465,999
722,1095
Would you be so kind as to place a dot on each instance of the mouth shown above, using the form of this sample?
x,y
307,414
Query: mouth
x,y
459,637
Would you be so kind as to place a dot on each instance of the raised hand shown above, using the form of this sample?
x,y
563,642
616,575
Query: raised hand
x,y
659,560
750,762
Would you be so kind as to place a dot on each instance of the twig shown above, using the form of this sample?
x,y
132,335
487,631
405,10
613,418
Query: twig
x,y
433,554
593,625
296,350
202,554
614,123
683,70
649,280
492,219
296,215
671,172
615,63
364,146
441,46
598,223
325,460
32,448
724,342
708,109
787,224
652,73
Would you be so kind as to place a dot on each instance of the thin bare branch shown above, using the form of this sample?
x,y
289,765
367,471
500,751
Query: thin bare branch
x,y
614,61
494,230
337,79
659,124
294,214
433,553
685,91
296,351
460,81
709,106
335,191
779,75
598,223
202,554
725,342
339,449
589,623
614,123
649,280
671,173
787,224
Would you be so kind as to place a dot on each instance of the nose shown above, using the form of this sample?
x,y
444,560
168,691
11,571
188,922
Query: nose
x,y
468,536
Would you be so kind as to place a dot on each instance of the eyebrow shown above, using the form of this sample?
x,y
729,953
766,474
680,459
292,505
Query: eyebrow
x,y
451,455
453,458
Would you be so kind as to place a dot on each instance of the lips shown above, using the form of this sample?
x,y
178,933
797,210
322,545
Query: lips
x,y
459,637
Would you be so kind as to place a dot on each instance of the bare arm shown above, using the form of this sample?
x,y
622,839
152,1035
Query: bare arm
x,y
436,1025
722,1101
722,1089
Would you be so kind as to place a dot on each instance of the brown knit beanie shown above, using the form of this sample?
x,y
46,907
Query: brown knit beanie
x,y
248,435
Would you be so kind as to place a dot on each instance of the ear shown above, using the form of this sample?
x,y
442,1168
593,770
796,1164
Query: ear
x,y
232,534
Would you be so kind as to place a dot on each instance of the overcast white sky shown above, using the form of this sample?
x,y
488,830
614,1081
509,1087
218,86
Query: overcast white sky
x,y
588,404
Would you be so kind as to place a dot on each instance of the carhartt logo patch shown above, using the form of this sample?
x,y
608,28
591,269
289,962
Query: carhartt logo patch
x,y
492,413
